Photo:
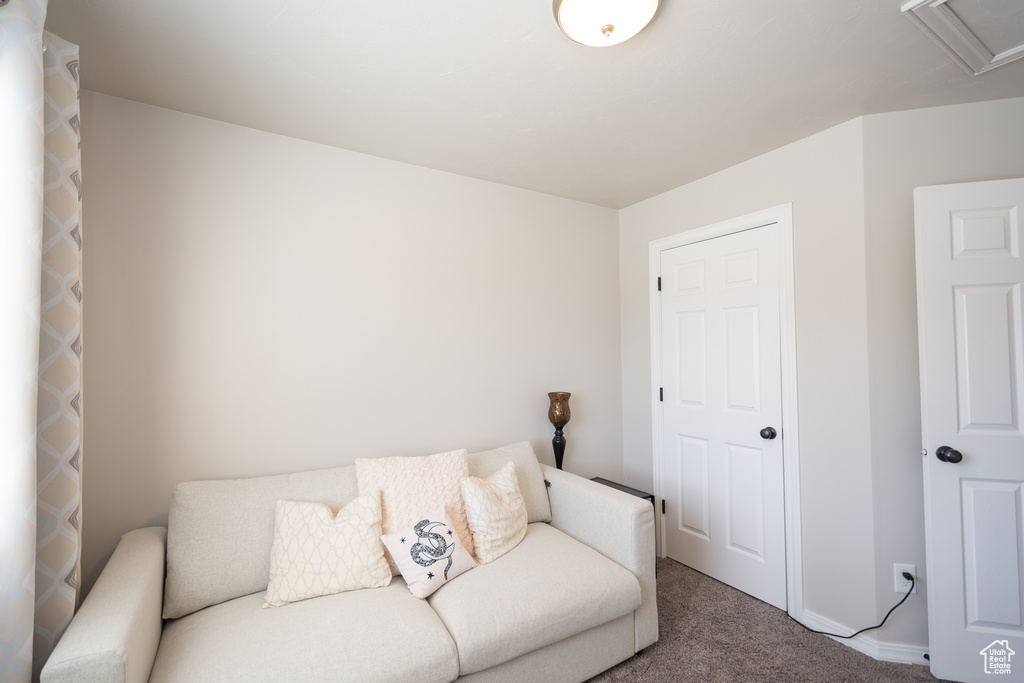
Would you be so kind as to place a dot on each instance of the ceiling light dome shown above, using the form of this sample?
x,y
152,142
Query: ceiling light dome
x,y
600,23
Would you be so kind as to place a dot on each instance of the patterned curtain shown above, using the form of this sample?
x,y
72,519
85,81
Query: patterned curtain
x,y
40,339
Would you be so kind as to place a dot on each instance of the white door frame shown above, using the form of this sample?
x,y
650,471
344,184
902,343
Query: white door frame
x,y
783,216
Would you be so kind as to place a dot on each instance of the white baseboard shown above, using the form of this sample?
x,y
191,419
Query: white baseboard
x,y
868,643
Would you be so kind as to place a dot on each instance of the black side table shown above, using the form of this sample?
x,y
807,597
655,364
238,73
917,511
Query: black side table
x,y
626,489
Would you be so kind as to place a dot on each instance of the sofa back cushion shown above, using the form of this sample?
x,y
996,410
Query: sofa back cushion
x,y
528,471
220,533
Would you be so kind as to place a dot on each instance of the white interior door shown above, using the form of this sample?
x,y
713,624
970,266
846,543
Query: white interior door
x,y
970,314
722,482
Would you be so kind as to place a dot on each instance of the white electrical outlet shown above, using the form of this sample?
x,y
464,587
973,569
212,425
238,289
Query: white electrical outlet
x,y
902,584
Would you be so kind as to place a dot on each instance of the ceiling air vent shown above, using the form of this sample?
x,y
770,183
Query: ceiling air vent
x,y
979,36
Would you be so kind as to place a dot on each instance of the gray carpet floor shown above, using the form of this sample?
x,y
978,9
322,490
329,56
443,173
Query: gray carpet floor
x,y
712,633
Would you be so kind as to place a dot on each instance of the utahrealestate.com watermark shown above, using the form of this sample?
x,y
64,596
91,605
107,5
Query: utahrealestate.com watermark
x,y
997,657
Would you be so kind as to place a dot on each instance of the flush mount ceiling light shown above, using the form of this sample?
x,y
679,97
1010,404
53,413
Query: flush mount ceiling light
x,y
600,23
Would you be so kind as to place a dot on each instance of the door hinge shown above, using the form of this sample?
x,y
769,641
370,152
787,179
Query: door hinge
x,y
659,283
661,393
662,506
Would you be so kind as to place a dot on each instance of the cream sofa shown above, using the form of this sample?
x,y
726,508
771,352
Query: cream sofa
x,y
575,597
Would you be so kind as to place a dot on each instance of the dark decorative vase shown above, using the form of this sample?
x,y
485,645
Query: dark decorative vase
x,y
559,415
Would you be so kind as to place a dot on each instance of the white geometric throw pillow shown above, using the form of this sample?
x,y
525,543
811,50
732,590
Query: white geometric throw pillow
x,y
316,552
496,512
429,553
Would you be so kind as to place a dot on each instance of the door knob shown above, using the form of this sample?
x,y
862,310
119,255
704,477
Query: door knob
x,y
948,454
768,433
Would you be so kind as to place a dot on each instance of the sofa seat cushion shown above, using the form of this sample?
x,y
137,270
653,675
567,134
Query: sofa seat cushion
x,y
547,588
373,634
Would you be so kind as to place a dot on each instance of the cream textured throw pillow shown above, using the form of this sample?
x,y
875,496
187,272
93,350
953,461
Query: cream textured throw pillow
x,y
496,511
316,552
429,554
411,488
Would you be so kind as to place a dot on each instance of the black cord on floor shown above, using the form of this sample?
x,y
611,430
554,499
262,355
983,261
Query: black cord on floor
x,y
906,575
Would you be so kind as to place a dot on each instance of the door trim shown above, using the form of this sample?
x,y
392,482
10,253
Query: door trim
x,y
783,216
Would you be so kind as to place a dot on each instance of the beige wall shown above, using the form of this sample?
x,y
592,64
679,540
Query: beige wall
x,y
256,304
823,177
904,150
859,405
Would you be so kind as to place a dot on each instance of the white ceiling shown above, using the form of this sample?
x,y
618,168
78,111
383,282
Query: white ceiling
x,y
492,89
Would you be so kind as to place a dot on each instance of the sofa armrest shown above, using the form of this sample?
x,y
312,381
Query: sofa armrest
x,y
114,636
617,525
